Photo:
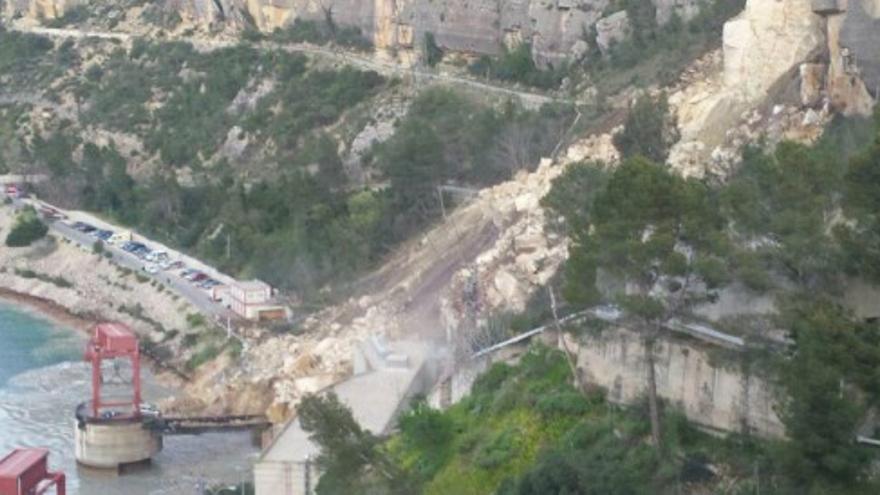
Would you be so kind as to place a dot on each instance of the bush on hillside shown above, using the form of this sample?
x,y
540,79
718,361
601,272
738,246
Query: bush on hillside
x,y
645,131
27,229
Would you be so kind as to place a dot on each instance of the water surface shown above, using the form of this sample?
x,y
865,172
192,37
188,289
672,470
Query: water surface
x,y
43,378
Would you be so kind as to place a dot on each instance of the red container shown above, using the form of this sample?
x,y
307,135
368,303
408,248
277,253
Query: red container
x,y
115,338
22,471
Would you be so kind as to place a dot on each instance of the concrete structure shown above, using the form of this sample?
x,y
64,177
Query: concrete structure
x,y
252,300
115,443
26,472
109,433
715,390
386,377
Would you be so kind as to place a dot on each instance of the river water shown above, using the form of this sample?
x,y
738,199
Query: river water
x,y
43,378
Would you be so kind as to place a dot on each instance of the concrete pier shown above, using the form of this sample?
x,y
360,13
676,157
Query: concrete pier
x,y
113,443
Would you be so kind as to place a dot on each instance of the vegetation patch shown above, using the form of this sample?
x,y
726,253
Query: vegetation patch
x,y
28,228
57,281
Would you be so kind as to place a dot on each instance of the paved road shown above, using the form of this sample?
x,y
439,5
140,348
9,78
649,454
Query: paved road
x,y
529,99
196,296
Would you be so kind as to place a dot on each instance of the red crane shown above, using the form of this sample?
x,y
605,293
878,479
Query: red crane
x,y
26,472
114,341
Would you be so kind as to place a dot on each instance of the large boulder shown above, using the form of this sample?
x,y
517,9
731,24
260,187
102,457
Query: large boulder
x,y
612,29
768,41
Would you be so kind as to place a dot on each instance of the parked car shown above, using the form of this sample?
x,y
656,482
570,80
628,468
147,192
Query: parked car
x,y
151,268
199,277
150,410
13,191
83,227
187,273
103,234
171,265
157,256
51,214
131,246
120,238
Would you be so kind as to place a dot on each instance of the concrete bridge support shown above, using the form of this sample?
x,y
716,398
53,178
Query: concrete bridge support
x,y
114,444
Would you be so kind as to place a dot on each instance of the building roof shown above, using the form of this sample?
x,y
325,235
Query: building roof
x,y
19,461
252,285
114,330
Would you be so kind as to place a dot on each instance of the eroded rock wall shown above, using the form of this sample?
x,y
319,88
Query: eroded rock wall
x,y
718,393
557,29
768,41
38,9
861,34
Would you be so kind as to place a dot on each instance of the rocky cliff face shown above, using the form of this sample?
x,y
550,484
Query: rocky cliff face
x,y
768,40
38,9
785,67
557,29
716,395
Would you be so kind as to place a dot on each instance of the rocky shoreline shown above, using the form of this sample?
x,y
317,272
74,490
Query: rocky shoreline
x,y
47,308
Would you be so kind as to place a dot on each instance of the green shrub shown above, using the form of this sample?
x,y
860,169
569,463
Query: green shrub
x,y
499,449
28,228
517,66
235,349
645,130
74,15
189,340
206,354
303,31
195,320
433,52
566,403
57,281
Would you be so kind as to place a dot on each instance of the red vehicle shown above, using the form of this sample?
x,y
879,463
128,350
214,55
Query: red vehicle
x,y
199,278
51,213
12,190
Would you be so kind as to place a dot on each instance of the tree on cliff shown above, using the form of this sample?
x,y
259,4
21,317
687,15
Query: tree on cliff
x,y
646,131
351,458
660,237
831,380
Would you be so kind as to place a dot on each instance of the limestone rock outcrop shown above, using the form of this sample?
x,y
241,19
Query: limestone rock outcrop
x,y
766,42
39,9
719,395
824,52
612,29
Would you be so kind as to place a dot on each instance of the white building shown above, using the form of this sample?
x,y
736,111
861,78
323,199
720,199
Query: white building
x,y
253,300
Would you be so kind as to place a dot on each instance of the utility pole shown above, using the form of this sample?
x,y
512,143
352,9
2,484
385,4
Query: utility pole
x,y
442,206
757,478
228,246
308,475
